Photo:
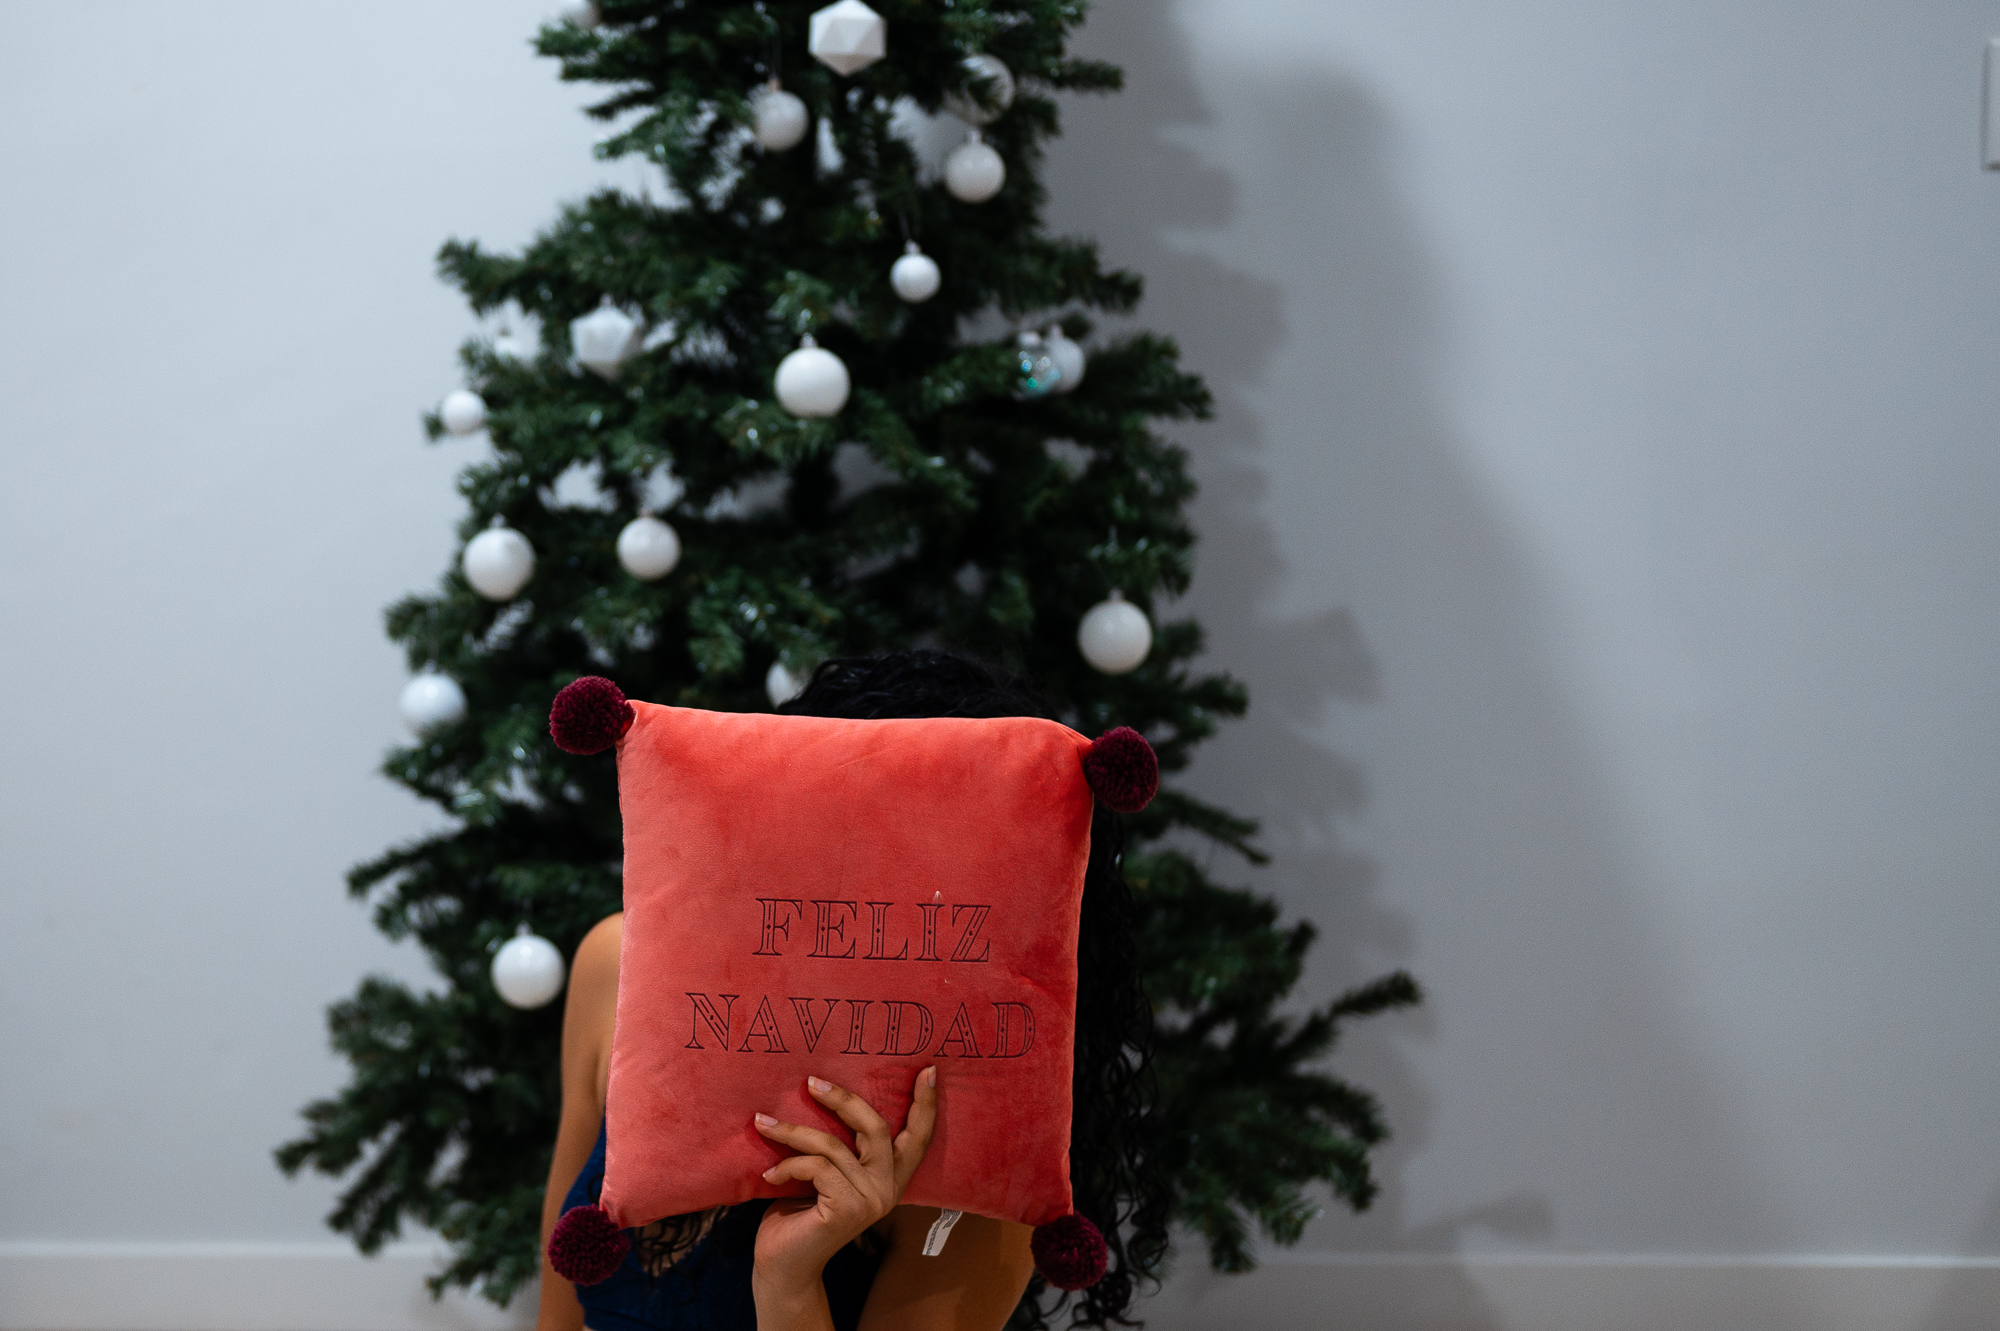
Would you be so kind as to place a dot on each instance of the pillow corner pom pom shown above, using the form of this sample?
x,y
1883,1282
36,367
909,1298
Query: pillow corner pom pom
x,y
585,1247
1070,1252
589,715
1122,770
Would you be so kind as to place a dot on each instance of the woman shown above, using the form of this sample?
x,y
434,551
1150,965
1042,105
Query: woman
x,y
852,1257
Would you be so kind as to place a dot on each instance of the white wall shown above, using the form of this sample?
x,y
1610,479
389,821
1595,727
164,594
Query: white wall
x,y
1594,506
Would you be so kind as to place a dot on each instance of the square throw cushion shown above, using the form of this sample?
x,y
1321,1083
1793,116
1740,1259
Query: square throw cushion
x,y
855,900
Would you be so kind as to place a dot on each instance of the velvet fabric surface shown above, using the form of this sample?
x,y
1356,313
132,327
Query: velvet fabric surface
x,y
854,900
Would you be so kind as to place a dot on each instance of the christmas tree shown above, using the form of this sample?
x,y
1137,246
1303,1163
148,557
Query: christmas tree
x,y
958,485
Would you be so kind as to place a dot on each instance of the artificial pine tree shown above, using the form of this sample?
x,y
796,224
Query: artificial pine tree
x,y
946,503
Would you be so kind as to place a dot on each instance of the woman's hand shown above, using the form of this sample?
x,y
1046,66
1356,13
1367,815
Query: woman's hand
x,y
854,1189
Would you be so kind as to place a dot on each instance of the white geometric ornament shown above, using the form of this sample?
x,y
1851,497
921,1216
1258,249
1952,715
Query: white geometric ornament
x,y
998,86
915,276
648,548
847,36
1114,635
605,339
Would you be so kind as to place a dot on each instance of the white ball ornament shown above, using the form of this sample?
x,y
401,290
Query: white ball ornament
x,y
1068,357
847,36
605,339
781,685
1114,635
498,562
998,89
527,970
812,382
915,276
648,548
432,701
583,13
778,118
974,172
463,412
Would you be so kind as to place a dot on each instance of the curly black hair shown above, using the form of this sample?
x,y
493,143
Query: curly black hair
x,y
1114,1173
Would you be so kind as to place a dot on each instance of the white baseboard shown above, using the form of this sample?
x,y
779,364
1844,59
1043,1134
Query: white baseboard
x,y
1295,1291
328,1287
235,1287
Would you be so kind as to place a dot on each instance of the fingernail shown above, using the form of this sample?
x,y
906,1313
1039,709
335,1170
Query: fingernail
x,y
930,1077
767,1174
821,1086
765,1121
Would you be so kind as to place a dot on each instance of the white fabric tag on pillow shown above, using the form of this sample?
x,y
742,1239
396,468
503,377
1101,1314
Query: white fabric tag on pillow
x,y
940,1231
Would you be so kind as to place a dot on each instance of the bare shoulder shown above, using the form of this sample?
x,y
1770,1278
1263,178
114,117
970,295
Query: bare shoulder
x,y
588,1013
597,955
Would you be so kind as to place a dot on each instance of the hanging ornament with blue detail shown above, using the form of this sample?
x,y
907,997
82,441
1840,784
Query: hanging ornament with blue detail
x,y
1038,369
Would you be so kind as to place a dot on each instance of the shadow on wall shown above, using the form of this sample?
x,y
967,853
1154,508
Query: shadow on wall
x,y
1123,181
1602,1082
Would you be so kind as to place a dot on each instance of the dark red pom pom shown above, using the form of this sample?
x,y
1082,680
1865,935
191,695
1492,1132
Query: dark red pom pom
x,y
586,1247
1122,769
589,716
1070,1252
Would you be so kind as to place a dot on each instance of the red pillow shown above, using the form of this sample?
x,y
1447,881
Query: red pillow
x,y
855,900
